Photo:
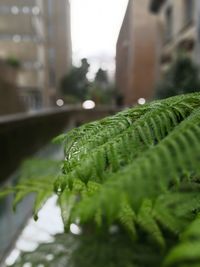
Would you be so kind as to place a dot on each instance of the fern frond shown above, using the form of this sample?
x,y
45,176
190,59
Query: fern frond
x,y
187,252
83,139
138,170
36,176
127,218
67,201
147,222
148,176
144,133
96,133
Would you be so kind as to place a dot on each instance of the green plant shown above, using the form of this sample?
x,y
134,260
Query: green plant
x,y
13,62
182,77
74,85
131,181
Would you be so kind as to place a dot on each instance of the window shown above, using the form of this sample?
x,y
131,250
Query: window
x,y
169,23
188,11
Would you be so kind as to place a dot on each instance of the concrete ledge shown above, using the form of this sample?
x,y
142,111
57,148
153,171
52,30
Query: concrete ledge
x,y
23,134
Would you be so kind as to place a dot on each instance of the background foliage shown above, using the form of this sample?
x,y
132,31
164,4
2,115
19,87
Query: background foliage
x,y
76,87
182,77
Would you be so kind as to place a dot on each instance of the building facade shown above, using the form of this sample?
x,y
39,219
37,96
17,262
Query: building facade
x,y
10,101
29,34
180,21
136,54
59,50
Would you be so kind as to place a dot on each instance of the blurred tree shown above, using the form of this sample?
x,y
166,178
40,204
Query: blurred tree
x,y
101,78
100,96
75,84
182,77
101,90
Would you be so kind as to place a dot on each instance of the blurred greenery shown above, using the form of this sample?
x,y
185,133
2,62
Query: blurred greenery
x,y
76,87
181,77
75,84
89,250
101,91
13,62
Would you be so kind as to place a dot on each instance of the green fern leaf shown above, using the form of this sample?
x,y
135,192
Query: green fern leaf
x,y
147,222
67,200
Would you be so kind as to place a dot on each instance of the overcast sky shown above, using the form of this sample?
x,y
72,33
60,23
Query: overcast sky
x,y
95,28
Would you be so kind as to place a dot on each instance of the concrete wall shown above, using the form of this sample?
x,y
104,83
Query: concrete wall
x,y
122,55
136,64
58,32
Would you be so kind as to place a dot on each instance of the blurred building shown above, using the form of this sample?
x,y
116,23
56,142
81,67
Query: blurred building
x,y
10,101
137,53
180,21
35,33
59,50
